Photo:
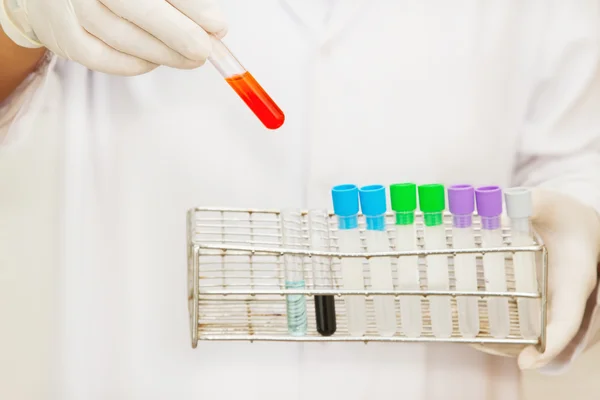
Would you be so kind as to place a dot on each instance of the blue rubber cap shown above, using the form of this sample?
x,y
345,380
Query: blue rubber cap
x,y
345,200
372,200
376,223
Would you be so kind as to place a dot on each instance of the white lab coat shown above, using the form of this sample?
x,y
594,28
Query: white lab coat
x,y
378,91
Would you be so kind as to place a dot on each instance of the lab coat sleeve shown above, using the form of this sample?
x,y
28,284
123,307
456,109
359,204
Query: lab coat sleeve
x,y
19,111
560,140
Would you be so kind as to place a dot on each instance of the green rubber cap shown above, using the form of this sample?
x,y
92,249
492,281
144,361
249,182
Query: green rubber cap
x,y
403,197
432,198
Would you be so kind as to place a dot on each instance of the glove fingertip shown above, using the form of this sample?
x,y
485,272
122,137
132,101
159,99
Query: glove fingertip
x,y
528,358
221,34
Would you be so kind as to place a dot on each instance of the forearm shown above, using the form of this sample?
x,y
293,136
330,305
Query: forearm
x,y
16,64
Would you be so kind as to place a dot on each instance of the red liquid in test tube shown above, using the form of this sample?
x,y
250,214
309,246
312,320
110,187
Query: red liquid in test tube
x,y
244,84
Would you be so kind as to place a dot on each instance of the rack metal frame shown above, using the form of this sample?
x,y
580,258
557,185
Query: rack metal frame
x,y
218,238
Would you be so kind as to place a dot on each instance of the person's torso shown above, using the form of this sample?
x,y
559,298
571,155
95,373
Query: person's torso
x,y
374,92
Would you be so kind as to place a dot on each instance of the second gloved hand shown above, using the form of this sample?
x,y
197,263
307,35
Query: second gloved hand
x,y
115,36
571,232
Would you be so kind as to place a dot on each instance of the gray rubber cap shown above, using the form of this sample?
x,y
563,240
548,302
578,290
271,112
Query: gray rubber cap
x,y
518,202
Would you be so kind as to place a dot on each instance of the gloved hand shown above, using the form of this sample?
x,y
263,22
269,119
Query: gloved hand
x,y
571,232
123,37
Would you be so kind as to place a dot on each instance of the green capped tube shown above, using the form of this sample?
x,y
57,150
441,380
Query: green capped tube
x,y
403,197
432,202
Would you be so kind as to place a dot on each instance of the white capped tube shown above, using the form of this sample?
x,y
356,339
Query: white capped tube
x,y
519,207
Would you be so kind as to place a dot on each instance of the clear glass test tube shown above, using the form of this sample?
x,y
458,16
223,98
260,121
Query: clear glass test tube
x,y
318,226
373,206
293,239
404,203
461,202
519,207
489,208
432,202
346,208
244,84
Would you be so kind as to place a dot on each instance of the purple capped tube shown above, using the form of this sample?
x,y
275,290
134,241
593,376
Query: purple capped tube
x,y
461,202
489,208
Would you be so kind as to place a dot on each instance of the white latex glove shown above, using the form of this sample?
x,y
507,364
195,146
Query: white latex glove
x,y
571,232
122,37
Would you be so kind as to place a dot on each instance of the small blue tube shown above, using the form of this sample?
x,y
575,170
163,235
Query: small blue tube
x,y
346,208
373,205
346,205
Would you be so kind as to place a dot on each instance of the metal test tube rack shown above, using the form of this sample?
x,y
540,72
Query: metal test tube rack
x,y
236,287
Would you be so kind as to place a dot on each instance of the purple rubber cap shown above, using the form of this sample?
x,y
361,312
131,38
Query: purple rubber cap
x,y
461,199
489,201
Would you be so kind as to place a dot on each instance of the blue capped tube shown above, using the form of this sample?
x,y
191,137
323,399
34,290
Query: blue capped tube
x,y
346,208
373,206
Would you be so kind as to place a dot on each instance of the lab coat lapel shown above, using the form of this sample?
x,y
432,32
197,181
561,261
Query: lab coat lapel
x,y
343,14
309,15
324,24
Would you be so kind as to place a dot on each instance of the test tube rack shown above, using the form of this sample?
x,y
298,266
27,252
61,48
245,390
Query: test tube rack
x,y
236,288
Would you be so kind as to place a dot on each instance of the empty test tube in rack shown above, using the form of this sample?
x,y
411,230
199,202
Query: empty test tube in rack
x,y
461,202
346,208
489,208
519,208
432,203
404,203
373,206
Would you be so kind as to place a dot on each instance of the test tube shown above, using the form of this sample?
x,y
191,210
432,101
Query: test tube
x,y
404,203
489,208
373,205
318,225
519,208
244,84
291,225
346,206
461,202
432,203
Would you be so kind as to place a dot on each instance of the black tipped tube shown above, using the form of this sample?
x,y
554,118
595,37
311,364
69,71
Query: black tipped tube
x,y
318,224
325,315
